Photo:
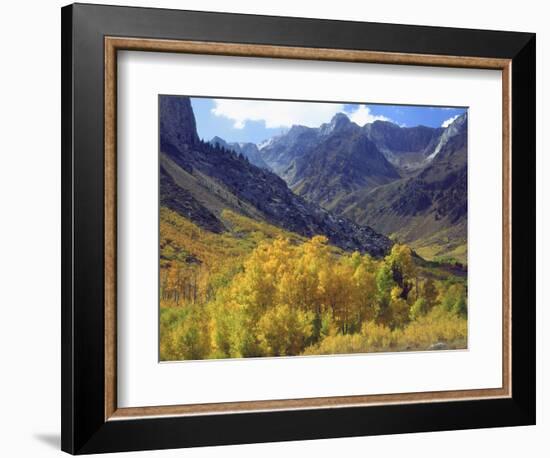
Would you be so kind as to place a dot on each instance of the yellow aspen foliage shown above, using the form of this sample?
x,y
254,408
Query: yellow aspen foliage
x,y
364,291
401,256
395,293
259,291
429,293
284,331
399,312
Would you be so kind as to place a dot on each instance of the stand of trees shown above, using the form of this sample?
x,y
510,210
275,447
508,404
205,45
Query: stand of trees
x,y
291,298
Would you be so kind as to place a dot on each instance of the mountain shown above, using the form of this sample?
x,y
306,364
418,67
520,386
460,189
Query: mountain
x,y
343,161
406,181
326,163
407,148
429,209
199,180
457,127
248,150
280,152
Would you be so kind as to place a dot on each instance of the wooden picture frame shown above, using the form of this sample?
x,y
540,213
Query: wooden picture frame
x,y
91,420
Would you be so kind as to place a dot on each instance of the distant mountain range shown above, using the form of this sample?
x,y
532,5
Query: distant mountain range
x,y
429,208
339,180
410,182
247,149
326,163
405,147
200,179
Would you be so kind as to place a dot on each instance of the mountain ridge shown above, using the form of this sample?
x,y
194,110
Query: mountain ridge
x,y
429,208
321,164
398,180
247,149
210,174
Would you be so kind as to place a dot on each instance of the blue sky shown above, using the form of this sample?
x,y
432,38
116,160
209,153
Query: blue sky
x,y
243,120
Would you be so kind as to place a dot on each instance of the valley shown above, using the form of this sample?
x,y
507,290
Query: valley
x,y
320,240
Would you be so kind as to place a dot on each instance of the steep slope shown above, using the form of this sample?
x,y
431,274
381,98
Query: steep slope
x,y
180,200
219,179
247,149
453,129
281,151
428,210
324,164
343,161
405,147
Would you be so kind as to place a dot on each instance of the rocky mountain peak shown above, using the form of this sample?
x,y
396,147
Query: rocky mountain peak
x,y
458,126
295,131
177,122
458,123
219,141
340,119
338,122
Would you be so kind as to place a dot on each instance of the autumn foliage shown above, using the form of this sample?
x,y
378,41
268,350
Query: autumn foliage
x,y
259,291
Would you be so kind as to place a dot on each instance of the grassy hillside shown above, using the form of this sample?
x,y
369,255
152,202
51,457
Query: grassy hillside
x,y
196,261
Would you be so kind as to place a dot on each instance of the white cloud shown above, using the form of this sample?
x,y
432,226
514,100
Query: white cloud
x,y
281,114
275,114
449,121
362,116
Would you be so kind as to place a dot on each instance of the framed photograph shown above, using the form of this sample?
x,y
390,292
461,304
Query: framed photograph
x,y
281,228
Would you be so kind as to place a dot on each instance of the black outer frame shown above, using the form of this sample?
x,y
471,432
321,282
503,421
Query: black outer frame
x,y
84,429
